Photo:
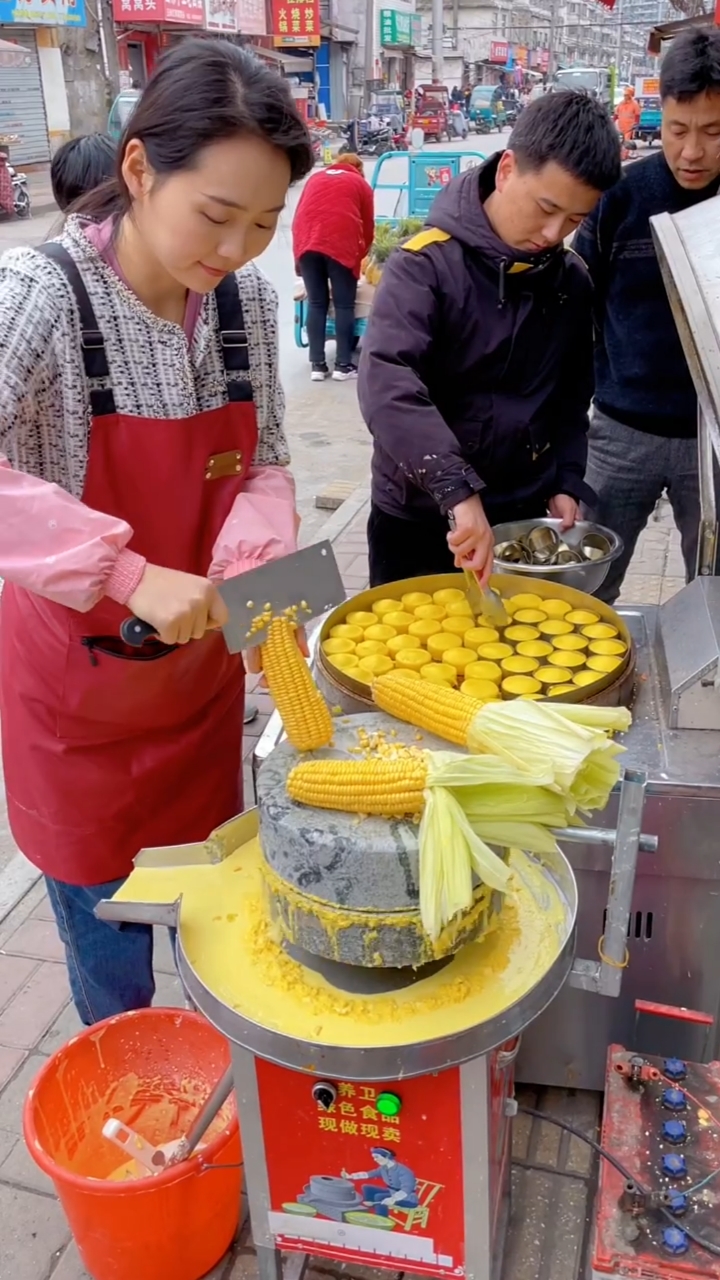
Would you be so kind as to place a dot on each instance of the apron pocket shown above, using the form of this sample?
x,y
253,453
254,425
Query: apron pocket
x,y
109,695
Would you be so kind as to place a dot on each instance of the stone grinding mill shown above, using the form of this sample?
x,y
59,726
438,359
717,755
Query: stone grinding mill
x,y
374,1081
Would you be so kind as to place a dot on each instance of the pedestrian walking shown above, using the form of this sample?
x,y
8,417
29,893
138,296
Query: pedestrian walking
x,y
333,229
643,429
141,417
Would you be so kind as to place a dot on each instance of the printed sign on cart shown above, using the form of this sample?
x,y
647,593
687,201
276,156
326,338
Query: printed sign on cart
x,y
351,1183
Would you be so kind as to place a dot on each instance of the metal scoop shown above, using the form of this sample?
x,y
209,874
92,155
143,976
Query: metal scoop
x,y
483,600
155,1159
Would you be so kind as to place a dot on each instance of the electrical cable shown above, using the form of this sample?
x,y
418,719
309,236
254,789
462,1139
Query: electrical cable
x,y
700,1241
699,1185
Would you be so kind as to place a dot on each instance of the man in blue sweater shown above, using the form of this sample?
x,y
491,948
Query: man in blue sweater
x,y
643,429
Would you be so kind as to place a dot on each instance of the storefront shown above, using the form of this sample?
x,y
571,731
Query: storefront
x,y
295,45
33,101
146,27
400,35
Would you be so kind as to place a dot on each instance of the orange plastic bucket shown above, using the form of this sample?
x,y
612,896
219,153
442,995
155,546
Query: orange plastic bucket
x,y
153,1070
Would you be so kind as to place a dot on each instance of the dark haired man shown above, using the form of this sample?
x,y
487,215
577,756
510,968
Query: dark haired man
x,y
476,371
643,429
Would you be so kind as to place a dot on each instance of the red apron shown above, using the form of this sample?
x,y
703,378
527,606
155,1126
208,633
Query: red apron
x,y
105,750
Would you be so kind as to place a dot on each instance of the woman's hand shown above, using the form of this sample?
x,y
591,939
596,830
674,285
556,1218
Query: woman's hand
x,y
471,541
179,606
253,657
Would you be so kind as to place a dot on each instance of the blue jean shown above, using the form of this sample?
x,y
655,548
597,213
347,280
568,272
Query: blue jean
x,y
629,471
373,1194
110,966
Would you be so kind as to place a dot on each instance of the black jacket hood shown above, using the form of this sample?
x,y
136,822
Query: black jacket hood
x,y
459,209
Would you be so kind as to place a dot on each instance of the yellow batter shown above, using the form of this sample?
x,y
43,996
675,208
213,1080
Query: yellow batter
x,y
227,937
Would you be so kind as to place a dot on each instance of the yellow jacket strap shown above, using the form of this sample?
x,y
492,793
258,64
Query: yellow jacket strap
x,y
431,235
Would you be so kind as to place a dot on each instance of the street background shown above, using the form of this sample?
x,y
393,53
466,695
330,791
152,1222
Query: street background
x,y
553,1175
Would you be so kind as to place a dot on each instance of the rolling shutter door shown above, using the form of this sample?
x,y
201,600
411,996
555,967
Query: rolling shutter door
x,y
22,106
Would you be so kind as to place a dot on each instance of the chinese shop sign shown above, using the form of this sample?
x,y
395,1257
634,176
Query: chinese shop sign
x,y
183,13
296,24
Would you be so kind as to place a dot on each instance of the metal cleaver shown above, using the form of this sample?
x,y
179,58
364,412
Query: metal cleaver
x,y
309,579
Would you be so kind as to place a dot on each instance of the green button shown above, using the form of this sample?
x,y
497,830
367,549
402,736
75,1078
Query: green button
x,y
388,1104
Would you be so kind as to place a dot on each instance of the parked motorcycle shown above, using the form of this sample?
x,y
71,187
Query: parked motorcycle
x,y
370,142
21,195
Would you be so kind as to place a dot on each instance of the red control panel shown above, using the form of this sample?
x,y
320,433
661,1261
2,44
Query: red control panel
x,y
661,1120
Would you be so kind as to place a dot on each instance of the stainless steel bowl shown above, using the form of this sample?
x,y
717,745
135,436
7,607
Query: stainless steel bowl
x,y
586,576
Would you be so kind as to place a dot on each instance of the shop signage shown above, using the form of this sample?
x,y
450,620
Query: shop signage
x,y
396,28
499,50
521,56
43,13
221,15
182,13
251,20
296,24
416,35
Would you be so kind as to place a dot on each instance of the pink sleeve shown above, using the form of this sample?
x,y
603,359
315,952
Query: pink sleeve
x,y
262,524
54,545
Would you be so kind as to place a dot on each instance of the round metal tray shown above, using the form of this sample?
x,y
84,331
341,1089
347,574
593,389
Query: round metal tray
x,y
313,1041
352,696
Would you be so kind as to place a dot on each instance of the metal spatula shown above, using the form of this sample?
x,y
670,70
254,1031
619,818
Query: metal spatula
x,y
483,600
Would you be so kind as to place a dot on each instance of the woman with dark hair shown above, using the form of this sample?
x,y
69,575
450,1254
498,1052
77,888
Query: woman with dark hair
x,y
81,165
142,421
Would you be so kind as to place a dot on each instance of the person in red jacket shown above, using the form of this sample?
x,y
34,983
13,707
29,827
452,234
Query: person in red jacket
x,y
333,229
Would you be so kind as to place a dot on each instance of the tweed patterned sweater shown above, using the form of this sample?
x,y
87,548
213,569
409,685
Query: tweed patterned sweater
x,y
44,399
50,542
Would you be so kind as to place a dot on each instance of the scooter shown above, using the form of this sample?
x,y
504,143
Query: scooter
x,y
371,142
21,195
458,121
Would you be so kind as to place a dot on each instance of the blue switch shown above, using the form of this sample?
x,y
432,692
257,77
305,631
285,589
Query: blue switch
x,y
674,1100
674,1166
675,1068
678,1203
675,1240
674,1131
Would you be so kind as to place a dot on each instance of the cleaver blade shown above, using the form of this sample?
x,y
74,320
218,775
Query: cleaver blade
x,y
309,579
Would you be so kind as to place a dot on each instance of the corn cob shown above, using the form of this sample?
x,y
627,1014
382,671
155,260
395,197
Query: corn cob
x,y
301,706
387,788
445,712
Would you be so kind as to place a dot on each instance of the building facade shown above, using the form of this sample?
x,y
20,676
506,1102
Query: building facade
x,y
52,77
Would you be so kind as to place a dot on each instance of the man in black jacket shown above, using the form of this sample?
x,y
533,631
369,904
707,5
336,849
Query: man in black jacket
x,y
476,372
643,428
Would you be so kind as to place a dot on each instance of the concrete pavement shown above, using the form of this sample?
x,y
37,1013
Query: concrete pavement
x,y
553,1178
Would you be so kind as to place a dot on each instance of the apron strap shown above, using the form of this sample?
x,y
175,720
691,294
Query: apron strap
x,y
233,337
102,400
233,340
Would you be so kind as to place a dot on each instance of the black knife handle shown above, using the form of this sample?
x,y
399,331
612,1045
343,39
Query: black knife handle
x,y
135,632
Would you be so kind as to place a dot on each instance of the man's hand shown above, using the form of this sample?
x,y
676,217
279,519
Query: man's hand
x,y
563,507
471,541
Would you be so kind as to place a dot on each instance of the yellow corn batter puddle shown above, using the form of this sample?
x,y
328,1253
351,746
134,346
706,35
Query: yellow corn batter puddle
x,y
228,939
